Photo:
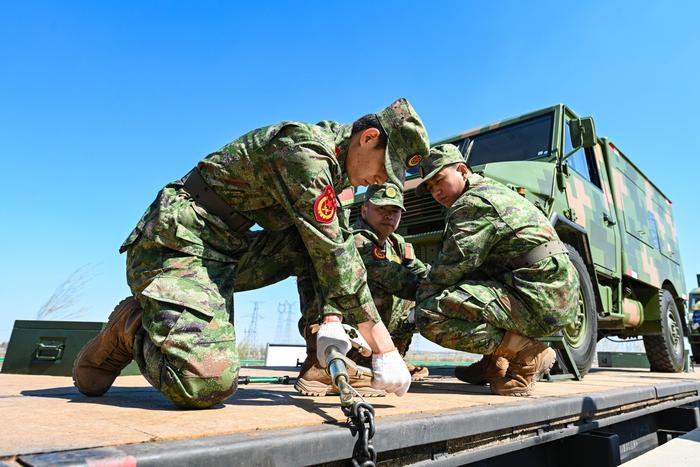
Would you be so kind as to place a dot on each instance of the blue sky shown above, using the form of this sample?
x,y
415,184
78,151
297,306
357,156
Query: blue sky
x,y
102,103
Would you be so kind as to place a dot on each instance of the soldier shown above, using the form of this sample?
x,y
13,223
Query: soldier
x,y
501,279
393,274
193,245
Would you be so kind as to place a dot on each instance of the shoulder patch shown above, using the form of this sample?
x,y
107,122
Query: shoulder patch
x,y
325,206
408,253
378,253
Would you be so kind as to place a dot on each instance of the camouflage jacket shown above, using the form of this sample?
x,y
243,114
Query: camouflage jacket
x,y
393,271
488,227
280,176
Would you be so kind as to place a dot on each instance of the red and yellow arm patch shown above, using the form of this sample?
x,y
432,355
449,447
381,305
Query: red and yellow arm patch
x,y
408,253
325,206
378,253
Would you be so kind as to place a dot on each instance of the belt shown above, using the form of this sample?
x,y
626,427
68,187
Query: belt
x,y
539,253
194,184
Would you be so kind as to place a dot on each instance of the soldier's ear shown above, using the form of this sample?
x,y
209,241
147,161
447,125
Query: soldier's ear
x,y
369,135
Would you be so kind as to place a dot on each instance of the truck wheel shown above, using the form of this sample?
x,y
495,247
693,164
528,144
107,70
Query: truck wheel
x,y
581,337
665,350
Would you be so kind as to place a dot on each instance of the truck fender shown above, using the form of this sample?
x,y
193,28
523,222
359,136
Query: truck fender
x,y
577,236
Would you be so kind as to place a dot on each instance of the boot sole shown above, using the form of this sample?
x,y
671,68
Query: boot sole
x,y
314,388
527,391
419,377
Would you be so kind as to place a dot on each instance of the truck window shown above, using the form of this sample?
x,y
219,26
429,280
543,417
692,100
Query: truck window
x,y
526,140
582,161
653,231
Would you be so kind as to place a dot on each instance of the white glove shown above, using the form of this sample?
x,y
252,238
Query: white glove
x,y
412,316
359,342
390,373
331,334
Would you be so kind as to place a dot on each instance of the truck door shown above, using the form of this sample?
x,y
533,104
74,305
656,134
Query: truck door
x,y
591,205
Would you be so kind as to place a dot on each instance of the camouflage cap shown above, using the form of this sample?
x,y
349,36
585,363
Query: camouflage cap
x,y
385,195
408,139
440,156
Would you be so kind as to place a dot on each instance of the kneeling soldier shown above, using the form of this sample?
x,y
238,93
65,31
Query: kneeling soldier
x,y
501,280
193,248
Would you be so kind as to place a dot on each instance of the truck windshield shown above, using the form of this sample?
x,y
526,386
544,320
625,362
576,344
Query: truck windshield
x,y
522,141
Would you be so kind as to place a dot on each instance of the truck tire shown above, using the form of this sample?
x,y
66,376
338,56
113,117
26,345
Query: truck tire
x,y
665,350
582,336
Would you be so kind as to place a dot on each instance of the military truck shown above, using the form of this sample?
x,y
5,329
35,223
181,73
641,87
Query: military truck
x,y
617,224
694,320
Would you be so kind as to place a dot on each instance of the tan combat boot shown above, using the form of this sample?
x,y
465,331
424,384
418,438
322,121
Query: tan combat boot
x,y
101,360
528,359
418,373
313,380
488,369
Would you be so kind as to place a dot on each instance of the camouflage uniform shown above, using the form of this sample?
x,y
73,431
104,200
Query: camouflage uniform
x,y
184,262
475,290
393,271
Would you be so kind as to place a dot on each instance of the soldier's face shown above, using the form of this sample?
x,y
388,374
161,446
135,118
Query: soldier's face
x,y
448,184
384,219
365,162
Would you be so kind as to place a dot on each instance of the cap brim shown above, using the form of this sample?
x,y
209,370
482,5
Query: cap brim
x,y
395,170
422,188
388,202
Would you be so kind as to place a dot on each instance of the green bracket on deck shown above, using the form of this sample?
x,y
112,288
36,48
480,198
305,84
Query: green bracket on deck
x,y
558,343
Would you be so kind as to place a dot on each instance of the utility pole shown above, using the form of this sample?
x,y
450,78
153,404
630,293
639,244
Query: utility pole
x,y
288,323
279,331
252,331
283,332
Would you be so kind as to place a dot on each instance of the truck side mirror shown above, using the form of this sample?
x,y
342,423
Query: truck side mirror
x,y
582,132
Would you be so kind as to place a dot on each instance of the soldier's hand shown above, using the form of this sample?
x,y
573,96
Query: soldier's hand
x,y
390,373
331,334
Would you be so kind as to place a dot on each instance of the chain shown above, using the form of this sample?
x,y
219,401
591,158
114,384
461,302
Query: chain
x,y
361,421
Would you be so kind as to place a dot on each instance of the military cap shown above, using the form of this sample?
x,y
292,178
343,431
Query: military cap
x,y
385,195
408,139
440,156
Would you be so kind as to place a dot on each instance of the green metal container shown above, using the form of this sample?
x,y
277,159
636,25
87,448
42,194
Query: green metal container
x,y
50,347
623,360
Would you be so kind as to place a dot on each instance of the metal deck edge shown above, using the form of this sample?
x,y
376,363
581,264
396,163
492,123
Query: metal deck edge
x,y
326,443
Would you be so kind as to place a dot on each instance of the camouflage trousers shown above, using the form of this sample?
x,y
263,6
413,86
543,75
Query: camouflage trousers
x,y
457,319
187,346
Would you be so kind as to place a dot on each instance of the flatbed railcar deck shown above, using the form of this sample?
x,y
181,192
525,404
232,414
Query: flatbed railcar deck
x,y
44,420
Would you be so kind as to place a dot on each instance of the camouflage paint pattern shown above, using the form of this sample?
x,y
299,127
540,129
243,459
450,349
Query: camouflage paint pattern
x,y
393,277
473,291
536,179
591,207
650,249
